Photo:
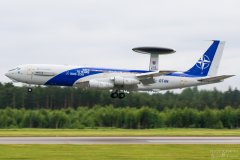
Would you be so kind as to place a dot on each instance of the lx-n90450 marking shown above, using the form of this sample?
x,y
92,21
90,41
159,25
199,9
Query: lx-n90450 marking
x,y
203,72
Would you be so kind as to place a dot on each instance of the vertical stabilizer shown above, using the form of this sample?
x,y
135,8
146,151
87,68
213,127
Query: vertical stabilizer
x,y
216,60
208,64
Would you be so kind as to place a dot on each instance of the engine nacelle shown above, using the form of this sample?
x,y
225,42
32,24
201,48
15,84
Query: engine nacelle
x,y
125,81
101,85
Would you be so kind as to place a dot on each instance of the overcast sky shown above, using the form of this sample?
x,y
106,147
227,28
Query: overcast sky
x,y
101,33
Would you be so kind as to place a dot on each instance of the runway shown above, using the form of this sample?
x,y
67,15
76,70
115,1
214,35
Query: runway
x,y
119,140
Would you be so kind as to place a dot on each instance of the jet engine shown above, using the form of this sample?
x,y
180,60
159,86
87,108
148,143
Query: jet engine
x,y
101,85
125,81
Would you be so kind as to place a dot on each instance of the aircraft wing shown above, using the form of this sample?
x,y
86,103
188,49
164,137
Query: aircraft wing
x,y
148,78
215,79
144,78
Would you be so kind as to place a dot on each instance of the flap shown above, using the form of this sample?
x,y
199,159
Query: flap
x,y
153,74
147,78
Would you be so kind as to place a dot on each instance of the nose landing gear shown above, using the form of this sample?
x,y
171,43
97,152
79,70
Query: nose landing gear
x,y
117,94
29,90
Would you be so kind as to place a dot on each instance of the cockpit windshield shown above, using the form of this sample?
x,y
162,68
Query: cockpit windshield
x,y
14,69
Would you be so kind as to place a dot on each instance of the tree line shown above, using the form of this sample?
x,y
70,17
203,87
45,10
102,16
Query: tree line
x,y
130,118
65,97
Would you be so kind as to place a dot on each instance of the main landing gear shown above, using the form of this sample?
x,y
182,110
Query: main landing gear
x,y
117,94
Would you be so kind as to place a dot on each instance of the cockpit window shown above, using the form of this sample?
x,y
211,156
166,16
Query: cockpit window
x,y
14,69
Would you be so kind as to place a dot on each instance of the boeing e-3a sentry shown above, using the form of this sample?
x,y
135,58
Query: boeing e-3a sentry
x,y
118,81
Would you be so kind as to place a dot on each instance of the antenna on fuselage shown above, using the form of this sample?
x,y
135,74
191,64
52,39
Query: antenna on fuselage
x,y
154,54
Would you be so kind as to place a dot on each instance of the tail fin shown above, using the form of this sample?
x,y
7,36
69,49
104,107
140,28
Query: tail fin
x,y
208,64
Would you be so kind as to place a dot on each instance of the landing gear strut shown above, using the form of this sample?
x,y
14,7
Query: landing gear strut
x,y
117,94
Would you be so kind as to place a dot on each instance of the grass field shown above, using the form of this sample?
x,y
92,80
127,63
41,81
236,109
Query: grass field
x,y
118,132
120,152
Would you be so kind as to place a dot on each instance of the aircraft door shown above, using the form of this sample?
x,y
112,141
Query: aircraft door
x,y
29,73
183,82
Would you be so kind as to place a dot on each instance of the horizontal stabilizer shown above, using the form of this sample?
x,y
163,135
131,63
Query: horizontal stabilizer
x,y
215,79
147,78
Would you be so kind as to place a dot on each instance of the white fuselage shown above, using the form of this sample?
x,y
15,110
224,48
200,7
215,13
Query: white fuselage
x,y
67,75
204,71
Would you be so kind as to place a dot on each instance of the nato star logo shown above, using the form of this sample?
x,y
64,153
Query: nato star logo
x,y
203,62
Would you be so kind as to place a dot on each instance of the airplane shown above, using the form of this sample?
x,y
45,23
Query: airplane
x,y
120,81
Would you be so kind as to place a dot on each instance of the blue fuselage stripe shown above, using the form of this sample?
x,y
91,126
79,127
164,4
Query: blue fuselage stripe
x,y
69,77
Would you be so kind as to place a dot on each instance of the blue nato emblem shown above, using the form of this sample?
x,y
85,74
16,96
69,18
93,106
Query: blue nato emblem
x,y
204,62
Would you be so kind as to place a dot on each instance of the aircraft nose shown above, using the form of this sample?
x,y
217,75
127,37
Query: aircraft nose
x,y
7,74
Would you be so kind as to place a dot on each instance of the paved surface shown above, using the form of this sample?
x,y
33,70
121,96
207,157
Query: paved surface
x,y
119,140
